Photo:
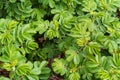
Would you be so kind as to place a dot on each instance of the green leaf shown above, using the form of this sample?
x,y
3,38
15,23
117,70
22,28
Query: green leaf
x,y
111,45
43,27
74,76
89,5
103,74
51,3
61,69
12,1
23,69
36,71
43,64
33,77
77,59
3,78
71,55
32,45
92,48
40,68
11,54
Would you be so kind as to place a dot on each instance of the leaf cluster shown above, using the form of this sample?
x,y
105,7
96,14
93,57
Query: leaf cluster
x,y
81,38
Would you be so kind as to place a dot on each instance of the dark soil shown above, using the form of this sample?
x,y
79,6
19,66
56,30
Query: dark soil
x,y
55,78
4,73
118,14
39,39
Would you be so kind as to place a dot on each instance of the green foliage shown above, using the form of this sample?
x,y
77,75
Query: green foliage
x,y
3,78
61,69
76,39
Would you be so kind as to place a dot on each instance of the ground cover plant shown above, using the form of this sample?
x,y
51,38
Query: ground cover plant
x,y
59,40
